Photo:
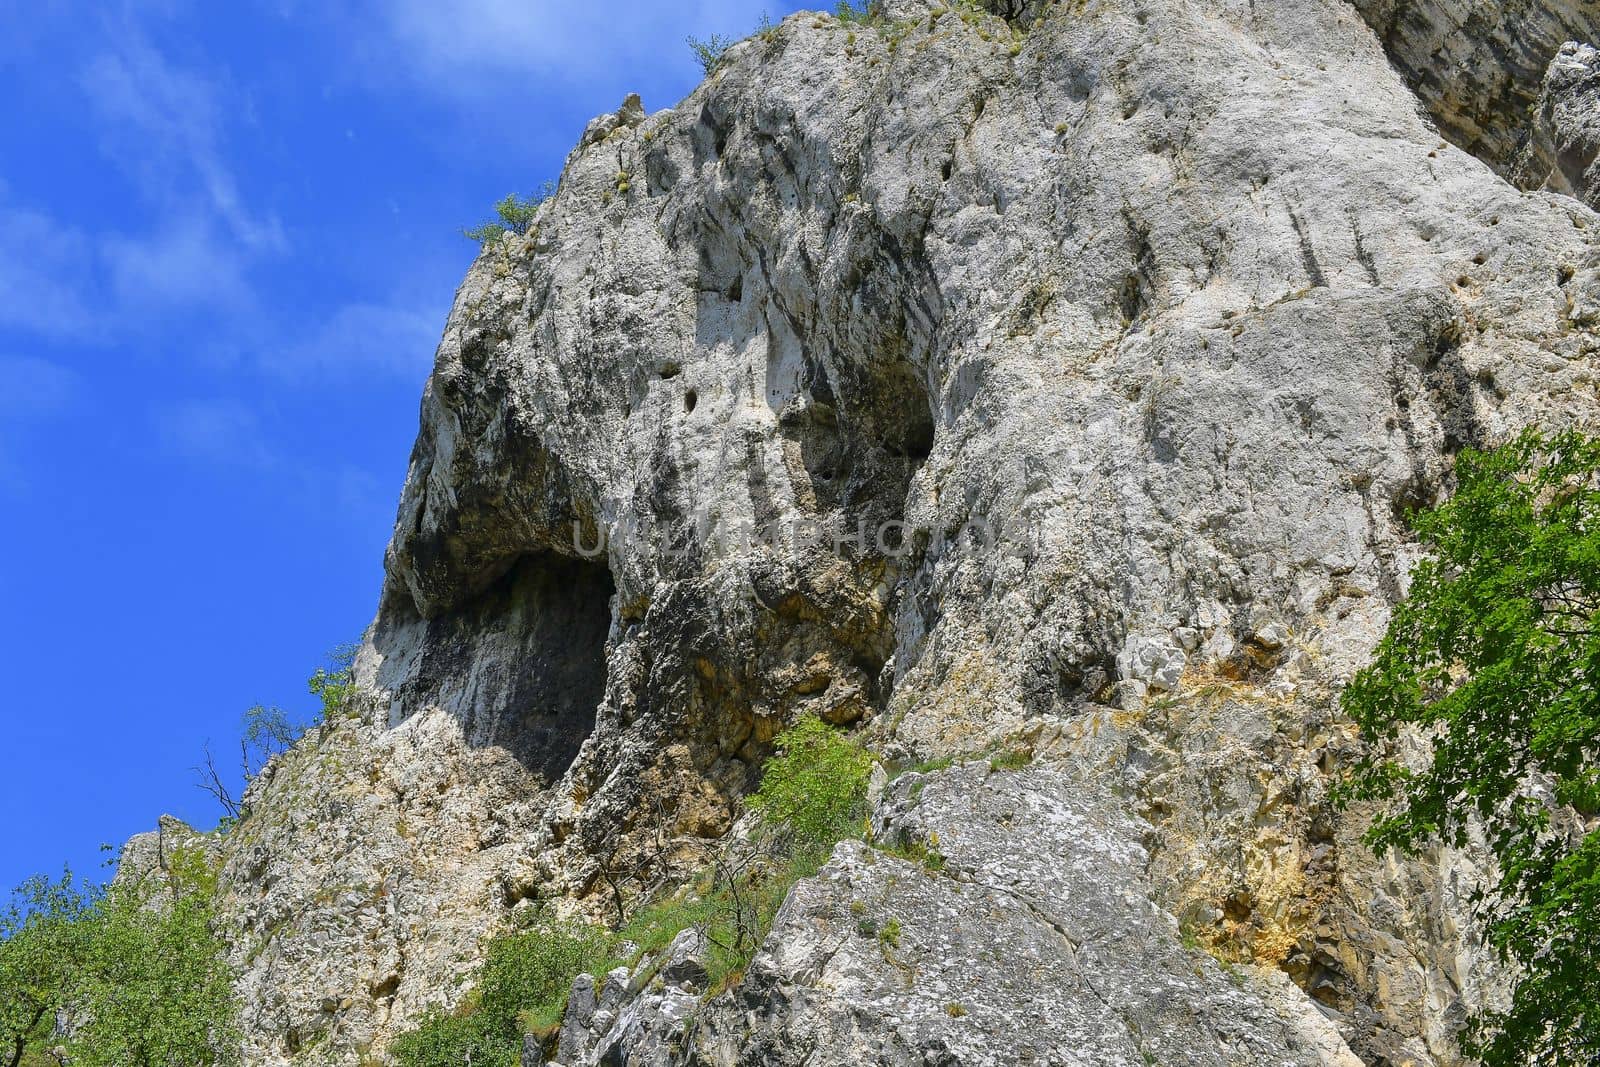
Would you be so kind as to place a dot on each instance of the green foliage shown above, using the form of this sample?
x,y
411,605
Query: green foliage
x,y
521,987
334,683
711,52
42,949
267,732
815,786
527,975
136,971
813,793
845,11
442,1040
513,214
1494,658
1010,759
157,991
917,851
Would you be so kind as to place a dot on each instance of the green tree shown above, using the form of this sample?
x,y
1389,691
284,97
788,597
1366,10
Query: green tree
x,y
334,683
1493,661
42,949
711,53
155,989
134,972
267,732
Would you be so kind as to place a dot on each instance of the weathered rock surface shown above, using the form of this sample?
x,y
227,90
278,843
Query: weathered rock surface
x,y
1562,153
1108,349
1035,941
1477,65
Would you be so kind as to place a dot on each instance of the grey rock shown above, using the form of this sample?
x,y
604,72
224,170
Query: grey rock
x,y
684,962
1564,143
1477,64
1092,343
575,1024
1035,942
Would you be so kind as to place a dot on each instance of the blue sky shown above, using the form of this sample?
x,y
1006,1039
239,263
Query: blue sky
x,y
229,236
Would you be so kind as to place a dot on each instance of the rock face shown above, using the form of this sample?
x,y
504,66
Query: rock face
x,y
1563,152
1035,941
1063,380
1477,65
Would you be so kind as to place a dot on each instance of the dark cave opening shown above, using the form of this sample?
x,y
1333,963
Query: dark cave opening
x,y
522,666
560,609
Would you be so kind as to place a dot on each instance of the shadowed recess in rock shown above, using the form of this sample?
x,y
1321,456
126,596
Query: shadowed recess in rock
x,y
522,665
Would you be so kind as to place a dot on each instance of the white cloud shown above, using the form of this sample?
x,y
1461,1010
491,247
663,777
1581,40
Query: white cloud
x,y
393,339
31,390
163,125
46,273
464,45
186,264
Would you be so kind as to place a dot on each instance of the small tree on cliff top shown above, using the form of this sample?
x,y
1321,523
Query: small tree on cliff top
x,y
1494,658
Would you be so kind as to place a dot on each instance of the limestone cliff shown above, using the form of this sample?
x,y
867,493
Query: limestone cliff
x,y
1054,373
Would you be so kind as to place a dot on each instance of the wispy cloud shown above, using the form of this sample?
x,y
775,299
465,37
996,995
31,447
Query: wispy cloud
x,y
394,339
46,272
184,264
32,390
163,125
195,242
466,45
216,431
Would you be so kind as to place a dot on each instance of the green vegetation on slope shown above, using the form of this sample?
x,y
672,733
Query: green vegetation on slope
x,y
514,214
127,976
812,795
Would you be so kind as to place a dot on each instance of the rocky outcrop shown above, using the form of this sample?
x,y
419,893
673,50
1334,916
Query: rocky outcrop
x,y
1562,153
1064,381
1477,65
1033,939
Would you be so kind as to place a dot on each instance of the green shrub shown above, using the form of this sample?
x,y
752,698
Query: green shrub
x,y
815,786
521,988
513,214
813,793
711,52
334,683
266,732
528,974
137,970
442,1040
